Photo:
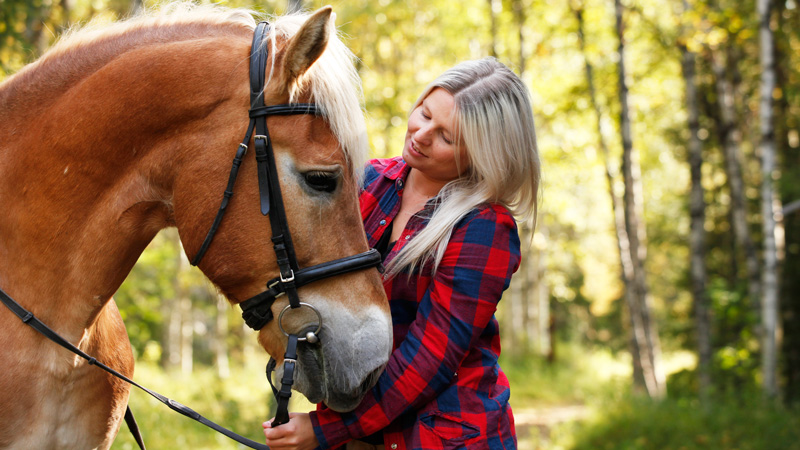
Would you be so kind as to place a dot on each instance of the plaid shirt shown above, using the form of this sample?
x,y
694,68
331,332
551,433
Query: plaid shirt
x,y
442,387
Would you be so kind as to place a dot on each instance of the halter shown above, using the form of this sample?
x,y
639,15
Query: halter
x,y
256,311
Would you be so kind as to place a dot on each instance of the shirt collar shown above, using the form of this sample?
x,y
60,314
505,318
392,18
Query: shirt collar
x,y
397,169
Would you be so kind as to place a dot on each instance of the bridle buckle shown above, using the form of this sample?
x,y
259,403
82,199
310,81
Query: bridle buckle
x,y
289,279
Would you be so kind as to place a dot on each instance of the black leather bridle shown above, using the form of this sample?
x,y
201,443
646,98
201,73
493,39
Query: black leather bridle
x,y
256,311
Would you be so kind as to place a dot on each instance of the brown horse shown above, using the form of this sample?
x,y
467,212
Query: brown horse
x,y
119,132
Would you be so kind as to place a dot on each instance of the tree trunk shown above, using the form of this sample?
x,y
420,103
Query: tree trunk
x,y
294,6
493,27
645,336
545,341
172,357
769,202
137,7
221,334
35,34
172,337
519,16
790,292
731,137
524,320
514,319
697,211
623,244
186,315
66,15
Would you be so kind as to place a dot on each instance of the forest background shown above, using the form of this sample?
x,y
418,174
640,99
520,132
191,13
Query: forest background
x,y
658,304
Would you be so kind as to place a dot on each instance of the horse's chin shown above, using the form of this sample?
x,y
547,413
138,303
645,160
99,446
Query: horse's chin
x,y
348,402
310,381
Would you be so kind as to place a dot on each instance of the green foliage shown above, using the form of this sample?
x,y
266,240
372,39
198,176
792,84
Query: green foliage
x,y
577,376
146,288
240,403
729,423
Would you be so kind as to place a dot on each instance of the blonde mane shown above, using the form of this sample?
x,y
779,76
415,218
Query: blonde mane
x,y
333,80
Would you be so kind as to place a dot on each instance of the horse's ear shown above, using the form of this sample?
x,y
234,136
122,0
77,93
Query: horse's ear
x,y
307,45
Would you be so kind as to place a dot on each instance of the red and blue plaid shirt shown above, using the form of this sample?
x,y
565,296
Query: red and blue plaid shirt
x,y
442,387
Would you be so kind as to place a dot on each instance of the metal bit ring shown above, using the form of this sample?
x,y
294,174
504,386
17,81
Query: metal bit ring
x,y
312,336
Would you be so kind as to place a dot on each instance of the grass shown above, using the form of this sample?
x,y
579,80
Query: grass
x,y
681,424
240,402
595,382
618,420
578,377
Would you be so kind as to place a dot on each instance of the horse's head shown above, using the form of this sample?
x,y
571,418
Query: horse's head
x,y
318,158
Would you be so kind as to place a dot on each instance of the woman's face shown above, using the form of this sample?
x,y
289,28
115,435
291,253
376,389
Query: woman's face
x,y
429,145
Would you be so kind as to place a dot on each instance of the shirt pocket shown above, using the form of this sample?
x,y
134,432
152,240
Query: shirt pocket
x,y
451,431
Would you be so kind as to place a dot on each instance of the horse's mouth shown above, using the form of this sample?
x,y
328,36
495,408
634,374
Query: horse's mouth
x,y
311,381
311,364
341,402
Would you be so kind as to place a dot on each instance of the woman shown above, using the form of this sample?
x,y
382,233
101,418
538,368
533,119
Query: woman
x,y
442,217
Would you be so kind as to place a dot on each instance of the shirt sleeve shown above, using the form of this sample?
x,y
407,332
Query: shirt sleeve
x,y
481,256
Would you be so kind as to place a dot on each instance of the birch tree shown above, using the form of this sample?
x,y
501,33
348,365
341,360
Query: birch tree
x,y
646,346
722,63
697,211
769,302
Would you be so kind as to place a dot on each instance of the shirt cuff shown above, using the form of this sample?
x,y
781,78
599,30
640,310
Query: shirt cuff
x,y
331,431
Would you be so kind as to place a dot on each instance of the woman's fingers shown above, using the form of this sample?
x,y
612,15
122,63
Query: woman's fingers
x,y
297,434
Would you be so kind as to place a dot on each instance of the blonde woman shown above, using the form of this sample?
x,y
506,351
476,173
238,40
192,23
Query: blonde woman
x,y
443,216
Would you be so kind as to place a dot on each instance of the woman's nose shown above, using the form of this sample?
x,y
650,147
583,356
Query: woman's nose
x,y
423,135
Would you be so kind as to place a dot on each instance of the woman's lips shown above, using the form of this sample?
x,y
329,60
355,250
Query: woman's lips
x,y
413,148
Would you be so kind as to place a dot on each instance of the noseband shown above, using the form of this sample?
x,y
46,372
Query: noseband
x,y
256,311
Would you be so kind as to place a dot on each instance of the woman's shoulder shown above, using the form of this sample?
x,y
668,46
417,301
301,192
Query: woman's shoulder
x,y
489,212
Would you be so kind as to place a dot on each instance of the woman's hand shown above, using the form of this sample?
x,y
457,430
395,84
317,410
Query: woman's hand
x,y
298,434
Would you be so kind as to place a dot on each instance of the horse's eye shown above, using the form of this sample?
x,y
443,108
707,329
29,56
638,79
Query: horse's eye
x,y
321,181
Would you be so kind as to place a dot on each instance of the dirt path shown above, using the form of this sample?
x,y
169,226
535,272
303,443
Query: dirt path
x,y
535,425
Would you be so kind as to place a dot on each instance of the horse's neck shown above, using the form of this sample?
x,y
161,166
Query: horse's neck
x,y
86,182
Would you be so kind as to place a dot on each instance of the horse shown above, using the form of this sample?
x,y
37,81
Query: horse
x,y
122,130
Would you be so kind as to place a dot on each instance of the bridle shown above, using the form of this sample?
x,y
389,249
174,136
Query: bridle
x,y
256,311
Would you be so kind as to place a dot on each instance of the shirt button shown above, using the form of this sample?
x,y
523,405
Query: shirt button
x,y
383,222
408,236
394,446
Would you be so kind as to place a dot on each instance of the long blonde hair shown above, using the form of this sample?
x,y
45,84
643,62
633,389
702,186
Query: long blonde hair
x,y
494,124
